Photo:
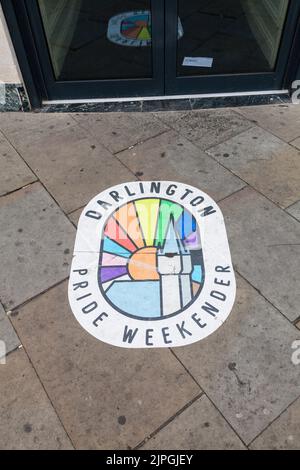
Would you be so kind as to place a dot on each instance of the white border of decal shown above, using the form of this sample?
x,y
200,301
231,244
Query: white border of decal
x,y
110,324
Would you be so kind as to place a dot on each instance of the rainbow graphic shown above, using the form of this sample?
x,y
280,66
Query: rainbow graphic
x,y
133,29
151,263
137,27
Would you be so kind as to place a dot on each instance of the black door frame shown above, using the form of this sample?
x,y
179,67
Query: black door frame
x,y
114,88
226,83
35,80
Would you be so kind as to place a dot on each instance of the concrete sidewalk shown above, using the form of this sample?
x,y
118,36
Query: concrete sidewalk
x,y
240,388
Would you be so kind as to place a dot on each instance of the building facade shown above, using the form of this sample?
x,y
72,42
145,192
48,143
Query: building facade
x,y
82,50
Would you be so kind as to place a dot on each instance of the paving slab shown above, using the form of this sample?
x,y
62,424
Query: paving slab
x,y
21,129
298,325
119,131
172,157
106,397
281,120
27,418
206,128
7,334
265,248
283,434
199,427
36,243
14,172
294,210
296,143
73,166
265,162
74,216
245,367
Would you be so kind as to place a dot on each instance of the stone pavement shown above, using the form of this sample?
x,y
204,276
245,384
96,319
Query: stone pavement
x,y
61,388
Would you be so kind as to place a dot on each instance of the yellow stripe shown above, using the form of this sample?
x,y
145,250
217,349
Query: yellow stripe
x,y
147,211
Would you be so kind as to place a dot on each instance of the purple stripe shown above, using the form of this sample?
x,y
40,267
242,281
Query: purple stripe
x,y
110,273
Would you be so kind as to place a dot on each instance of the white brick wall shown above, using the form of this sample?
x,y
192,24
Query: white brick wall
x,y
8,69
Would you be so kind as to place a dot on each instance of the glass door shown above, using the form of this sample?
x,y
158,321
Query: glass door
x,y
227,46
94,49
85,49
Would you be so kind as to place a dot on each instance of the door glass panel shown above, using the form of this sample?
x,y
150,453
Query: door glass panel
x,y
94,40
232,36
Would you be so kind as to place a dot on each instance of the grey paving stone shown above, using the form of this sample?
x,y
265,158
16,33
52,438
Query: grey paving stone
x,y
283,434
27,418
73,166
36,243
7,334
298,325
296,143
106,397
294,210
21,129
74,216
265,248
172,157
199,427
282,120
245,367
119,131
14,173
206,128
265,162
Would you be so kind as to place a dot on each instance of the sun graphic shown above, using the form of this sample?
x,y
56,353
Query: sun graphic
x,y
151,263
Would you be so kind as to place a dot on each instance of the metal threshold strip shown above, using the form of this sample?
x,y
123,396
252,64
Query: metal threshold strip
x,y
165,97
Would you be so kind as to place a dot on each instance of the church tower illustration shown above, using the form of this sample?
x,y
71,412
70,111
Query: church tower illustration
x,y
174,266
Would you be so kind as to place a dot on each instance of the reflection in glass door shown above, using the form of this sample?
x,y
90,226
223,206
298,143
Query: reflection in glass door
x,y
226,45
100,48
221,37
96,40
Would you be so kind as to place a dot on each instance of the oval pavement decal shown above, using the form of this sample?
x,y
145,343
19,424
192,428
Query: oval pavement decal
x,y
151,266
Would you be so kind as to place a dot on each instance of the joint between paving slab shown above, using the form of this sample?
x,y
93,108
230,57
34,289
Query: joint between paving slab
x,y
284,209
213,145
292,145
185,368
20,346
47,395
263,296
234,192
291,215
34,173
19,189
265,129
131,147
14,310
111,153
224,417
273,421
168,421
297,323
206,394
115,154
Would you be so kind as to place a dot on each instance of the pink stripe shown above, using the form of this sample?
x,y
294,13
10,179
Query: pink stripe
x,y
113,260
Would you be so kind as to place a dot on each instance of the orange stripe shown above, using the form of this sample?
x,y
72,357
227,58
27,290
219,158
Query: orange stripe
x,y
127,218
